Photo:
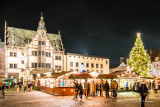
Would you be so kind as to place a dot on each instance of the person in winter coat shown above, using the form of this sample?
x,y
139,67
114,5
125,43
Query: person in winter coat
x,y
106,89
76,89
127,86
93,88
143,90
115,88
80,91
97,88
7,84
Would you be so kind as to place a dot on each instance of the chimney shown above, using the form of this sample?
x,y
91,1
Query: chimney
x,y
121,59
0,39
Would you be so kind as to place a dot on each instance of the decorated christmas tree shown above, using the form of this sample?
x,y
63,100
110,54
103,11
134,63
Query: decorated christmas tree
x,y
139,60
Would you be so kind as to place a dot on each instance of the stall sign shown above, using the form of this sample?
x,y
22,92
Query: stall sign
x,y
42,82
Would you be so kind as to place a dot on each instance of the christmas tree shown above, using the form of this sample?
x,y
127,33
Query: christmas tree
x,y
139,60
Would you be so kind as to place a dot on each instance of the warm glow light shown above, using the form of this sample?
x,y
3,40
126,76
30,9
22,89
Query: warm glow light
x,y
138,34
94,74
38,75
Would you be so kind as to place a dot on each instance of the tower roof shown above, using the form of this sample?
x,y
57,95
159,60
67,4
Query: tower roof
x,y
41,25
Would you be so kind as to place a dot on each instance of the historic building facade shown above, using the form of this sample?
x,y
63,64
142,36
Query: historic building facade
x,y
79,62
32,52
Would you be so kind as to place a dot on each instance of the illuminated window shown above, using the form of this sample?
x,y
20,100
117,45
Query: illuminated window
x,y
71,64
76,64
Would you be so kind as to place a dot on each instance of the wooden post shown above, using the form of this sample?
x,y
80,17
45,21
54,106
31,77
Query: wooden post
x,y
86,89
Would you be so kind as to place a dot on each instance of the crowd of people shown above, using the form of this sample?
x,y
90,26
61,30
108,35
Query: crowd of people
x,y
96,89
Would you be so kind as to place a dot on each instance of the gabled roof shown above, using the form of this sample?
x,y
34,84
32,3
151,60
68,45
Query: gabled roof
x,y
20,37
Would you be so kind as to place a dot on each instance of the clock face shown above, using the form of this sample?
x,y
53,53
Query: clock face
x,y
42,33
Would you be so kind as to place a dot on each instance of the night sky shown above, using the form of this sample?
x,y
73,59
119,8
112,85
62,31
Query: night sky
x,y
95,27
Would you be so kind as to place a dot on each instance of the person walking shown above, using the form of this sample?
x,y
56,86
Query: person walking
x,y
149,85
76,89
88,89
114,87
127,86
80,91
7,85
143,92
3,88
97,88
10,84
25,87
106,89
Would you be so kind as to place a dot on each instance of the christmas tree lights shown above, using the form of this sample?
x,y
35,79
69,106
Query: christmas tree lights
x,y
139,59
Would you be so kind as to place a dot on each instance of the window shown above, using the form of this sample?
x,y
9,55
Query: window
x,y
77,70
71,64
43,64
35,53
35,65
11,66
101,65
106,62
87,65
74,56
39,64
43,52
101,71
22,61
97,71
58,57
92,65
39,53
71,69
15,65
22,53
83,57
39,42
48,65
32,65
76,64
15,54
57,67
96,65
11,53
49,54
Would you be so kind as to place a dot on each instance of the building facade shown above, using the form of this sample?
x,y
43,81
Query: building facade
x,y
79,62
30,52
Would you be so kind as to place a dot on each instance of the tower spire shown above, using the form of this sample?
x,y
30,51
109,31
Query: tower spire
x,y
41,25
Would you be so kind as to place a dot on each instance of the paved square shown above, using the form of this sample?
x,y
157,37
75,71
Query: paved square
x,y
41,99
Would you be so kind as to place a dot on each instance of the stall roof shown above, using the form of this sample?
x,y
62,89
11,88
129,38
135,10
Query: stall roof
x,y
80,76
56,75
106,76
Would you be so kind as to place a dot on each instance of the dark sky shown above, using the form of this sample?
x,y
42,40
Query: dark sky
x,y
96,27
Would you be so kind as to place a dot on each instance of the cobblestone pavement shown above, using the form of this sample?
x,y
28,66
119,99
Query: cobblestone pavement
x,y
40,99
